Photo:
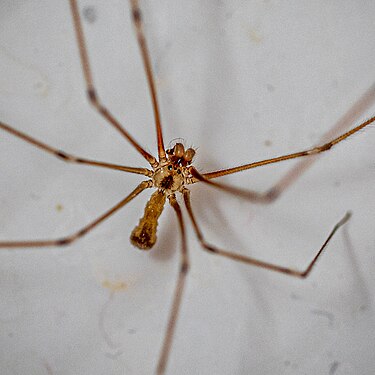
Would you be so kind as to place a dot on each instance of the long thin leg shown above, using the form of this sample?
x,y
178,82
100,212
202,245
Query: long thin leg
x,y
78,234
138,25
311,151
350,117
364,102
184,269
329,139
276,190
251,195
255,262
91,91
69,157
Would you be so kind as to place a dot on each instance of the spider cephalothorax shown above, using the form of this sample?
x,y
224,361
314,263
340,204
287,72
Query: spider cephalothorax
x,y
171,175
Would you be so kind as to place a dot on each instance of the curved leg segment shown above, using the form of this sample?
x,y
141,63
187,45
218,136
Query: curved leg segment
x,y
255,262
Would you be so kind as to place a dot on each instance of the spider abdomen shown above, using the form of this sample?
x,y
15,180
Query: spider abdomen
x,y
143,235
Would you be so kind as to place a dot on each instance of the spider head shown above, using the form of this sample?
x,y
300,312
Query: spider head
x,y
180,157
172,175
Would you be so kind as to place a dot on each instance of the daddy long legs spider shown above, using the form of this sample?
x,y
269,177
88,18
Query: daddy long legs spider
x,y
44,89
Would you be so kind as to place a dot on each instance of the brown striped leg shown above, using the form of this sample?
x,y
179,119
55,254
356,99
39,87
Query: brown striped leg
x,y
87,228
291,176
138,25
255,262
251,195
184,269
91,91
71,158
350,117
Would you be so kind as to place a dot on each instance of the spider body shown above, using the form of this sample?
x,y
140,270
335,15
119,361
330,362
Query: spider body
x,y
169,176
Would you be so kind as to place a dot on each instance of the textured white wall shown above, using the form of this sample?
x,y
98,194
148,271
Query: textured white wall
x,y
241,82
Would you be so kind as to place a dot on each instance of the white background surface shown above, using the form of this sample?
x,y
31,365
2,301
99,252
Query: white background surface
x,y
241,82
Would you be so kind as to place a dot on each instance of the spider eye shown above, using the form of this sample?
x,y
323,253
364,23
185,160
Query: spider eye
x,y
169,167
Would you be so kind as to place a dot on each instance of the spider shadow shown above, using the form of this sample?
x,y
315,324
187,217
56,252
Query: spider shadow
x,y
360,286
168,236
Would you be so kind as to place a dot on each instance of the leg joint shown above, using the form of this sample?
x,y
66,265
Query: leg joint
x,y
63,241
137,15
185,267
210,248
271,195
62,155
92,96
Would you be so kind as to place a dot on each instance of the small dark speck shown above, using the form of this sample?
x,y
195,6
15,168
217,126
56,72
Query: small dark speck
x,y
89,14
267,143
270,88
132,331
334,367
286,363
337,183
59,207
10,334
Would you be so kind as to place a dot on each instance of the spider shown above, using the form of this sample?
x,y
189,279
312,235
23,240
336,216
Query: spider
x,y
170,173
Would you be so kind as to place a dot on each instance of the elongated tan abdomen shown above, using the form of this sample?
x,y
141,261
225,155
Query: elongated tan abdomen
x,y
144,234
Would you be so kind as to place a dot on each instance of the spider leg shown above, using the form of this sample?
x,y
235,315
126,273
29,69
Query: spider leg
x,y
177,298
81,232
330,139
255,262
69,157
91,90
138,26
